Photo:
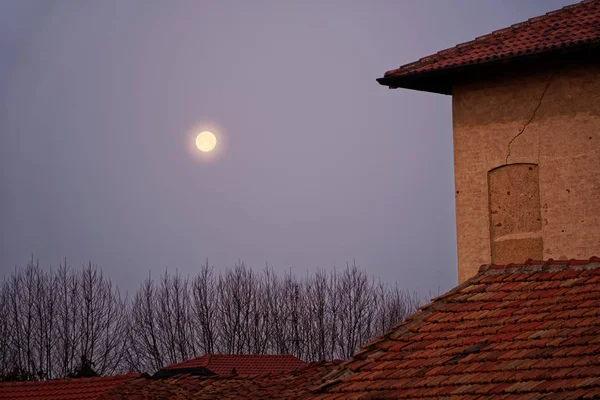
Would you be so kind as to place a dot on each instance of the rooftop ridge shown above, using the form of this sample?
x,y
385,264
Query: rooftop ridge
x,y
532,334
345,369
291,385
570,28
297,370
540,265
243,364
60,381
497,32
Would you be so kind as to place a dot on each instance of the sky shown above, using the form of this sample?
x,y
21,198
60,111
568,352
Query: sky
x,y
316,163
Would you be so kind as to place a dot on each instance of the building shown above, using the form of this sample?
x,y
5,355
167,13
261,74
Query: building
x,y
526,122
241,365
296,384
230,376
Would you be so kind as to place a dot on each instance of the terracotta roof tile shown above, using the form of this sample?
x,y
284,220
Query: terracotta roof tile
x,y
63,389
286,385
242,364
537,341
569,27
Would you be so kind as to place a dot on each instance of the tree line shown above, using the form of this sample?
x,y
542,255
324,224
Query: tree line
x,y
58,323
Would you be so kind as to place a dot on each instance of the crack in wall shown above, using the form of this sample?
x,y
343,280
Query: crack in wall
x,y
530,119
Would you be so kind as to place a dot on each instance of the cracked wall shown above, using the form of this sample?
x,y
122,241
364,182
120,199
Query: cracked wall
x,y
551,118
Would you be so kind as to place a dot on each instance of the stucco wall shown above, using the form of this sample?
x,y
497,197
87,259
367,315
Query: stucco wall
x,y
515,213
563,139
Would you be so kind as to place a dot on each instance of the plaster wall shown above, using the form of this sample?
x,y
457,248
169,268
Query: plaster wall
x,y
515,214
549,118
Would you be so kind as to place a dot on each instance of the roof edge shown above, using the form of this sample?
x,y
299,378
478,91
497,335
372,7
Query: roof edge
x,y
358,359
129,375
498,32
345,369
441,80
538,265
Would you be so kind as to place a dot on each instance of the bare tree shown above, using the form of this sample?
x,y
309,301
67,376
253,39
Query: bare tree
x,y
5,332
318,315
67,334
20,317
173,301
355,312
204,309
259,317
44,314
67,322
143,351
393,306
235,287
102,318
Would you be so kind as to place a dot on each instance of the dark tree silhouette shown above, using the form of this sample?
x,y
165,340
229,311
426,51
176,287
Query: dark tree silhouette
x,y
84,369
73,322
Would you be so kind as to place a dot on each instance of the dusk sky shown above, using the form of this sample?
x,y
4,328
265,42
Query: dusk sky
x,y
316,164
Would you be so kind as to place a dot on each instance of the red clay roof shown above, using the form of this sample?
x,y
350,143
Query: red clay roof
x,y
63,389
244,364
289,385
572,26
522,331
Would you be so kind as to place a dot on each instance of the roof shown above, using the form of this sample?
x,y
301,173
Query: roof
x,y
63,389
518,331
243,364
289,385
565,30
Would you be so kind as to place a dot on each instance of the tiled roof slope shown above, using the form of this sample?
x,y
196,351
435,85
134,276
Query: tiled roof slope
x,y
517,332
289,385
243,364
571,26
63,389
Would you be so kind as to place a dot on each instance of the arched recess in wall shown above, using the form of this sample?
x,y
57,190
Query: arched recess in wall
x,y
515,213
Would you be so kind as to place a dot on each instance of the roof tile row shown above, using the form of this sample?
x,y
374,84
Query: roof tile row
x,y
529,331
570,26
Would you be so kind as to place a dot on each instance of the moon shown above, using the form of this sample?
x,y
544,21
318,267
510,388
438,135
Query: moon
x,y
206,141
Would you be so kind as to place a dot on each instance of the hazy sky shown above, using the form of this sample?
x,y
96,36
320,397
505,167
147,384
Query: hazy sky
x,y
318,163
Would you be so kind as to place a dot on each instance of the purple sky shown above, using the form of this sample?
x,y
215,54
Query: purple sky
x,y
321,165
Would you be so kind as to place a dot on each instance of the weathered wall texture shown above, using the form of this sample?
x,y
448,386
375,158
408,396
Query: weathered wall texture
x,y
550,118
515,213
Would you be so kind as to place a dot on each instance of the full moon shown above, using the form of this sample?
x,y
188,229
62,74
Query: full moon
x,y
206,141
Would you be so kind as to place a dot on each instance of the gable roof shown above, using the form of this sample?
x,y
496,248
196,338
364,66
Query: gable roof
x,y
240,364
519,331
566,30
63,389
287,385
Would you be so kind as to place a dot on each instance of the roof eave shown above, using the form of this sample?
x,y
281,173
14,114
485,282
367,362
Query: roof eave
x,y
441,80
440,83
196,371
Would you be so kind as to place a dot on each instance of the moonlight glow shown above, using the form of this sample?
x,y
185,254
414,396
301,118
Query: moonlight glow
x,y
206,141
